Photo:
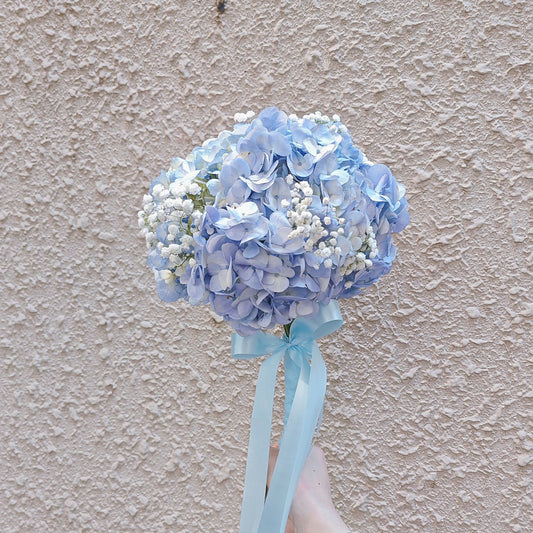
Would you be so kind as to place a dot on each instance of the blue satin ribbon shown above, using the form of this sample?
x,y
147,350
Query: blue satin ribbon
x,y
305,388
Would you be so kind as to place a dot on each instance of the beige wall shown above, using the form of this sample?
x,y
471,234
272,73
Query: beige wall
x,y
122,413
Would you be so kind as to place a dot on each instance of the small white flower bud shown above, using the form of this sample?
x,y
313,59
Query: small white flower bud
x,y
239,117
194,189
188,206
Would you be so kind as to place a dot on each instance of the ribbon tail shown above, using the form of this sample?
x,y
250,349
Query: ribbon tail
x,y
292,374
317,384
311,419
286,472
259,446
296,444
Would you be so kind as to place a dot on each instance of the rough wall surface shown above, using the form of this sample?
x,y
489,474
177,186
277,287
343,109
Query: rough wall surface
x,y
121,413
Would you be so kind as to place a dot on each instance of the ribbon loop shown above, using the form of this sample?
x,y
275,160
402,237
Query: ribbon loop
x,y
305,387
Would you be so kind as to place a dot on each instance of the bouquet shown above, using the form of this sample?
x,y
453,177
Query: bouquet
x,y
272,223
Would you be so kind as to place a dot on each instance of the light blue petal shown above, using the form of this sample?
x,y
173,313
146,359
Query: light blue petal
x,y
251,250
275,282
256,231
169,292
195,285
280,144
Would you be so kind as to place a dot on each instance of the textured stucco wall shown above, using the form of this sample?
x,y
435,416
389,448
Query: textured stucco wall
x,y
121,413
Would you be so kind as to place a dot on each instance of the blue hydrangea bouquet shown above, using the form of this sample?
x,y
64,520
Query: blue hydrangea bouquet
x,y
271,223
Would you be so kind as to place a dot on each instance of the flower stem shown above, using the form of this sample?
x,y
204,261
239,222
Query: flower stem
x,y
287,328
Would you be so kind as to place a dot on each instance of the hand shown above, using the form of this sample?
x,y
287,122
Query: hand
x,y
312,509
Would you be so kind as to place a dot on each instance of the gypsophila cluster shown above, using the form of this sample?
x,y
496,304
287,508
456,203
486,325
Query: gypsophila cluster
x,y
271,219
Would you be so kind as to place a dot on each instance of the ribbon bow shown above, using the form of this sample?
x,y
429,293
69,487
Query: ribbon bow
x,y
305,388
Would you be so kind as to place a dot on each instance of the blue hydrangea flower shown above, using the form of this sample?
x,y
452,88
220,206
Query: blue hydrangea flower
x,y
271,219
